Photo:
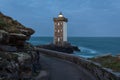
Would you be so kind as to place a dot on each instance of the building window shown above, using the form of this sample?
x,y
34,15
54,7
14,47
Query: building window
x,y
58,31
58,24
58,39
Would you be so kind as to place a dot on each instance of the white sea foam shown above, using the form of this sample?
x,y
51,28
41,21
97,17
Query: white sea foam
x,y
85,56
87,50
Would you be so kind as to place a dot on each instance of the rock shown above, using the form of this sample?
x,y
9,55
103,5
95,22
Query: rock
x,y
12,32
75,48
27,31
19,65
4,37
7,48
66,49
18,59
17,39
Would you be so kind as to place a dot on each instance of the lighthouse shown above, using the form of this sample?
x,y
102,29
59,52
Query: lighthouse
x,y
60,30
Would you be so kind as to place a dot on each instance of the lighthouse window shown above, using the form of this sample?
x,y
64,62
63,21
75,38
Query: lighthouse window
x,y
58,31
58,39
58,24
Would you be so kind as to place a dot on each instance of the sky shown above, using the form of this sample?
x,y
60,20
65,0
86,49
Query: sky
x,y
87,18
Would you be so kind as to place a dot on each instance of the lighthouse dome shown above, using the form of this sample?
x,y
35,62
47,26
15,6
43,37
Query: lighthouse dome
x,y
60,15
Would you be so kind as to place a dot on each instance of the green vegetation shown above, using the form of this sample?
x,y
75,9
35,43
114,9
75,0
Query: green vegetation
x,y
2,23
111,62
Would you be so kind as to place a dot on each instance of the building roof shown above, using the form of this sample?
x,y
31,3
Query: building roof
x,y
60,18
60,14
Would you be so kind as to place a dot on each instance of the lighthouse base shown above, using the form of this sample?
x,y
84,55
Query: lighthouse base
x,y
67,48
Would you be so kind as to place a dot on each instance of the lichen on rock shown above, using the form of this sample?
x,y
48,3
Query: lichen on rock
x,y
18,59
12,32
18,65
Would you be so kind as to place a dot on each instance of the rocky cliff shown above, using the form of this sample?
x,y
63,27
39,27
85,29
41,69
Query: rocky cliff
x,y
12,32
18,59
19,65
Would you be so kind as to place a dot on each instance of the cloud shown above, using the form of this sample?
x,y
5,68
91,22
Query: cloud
x,y
89,17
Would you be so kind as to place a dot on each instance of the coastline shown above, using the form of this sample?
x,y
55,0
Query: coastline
x,y
66,48
18,59
21,60
95,68
89,46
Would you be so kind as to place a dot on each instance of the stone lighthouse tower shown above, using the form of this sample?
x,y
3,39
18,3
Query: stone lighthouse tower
x,y
60,30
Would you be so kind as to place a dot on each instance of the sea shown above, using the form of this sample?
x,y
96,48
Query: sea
x,y
89,46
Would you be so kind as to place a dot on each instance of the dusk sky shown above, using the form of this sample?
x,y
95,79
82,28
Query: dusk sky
x,y
87,18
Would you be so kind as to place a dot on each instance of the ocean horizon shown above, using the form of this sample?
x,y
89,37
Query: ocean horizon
x,y
89,46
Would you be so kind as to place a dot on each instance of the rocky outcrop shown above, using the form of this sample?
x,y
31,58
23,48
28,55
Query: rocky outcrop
x,y
108,61
4,37
19,65
18,59
12,32
65,48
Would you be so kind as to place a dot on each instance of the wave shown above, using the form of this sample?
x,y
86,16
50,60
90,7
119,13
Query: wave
x,y
87,50
85,56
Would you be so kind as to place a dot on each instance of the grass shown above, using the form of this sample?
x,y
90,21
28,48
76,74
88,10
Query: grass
x,y
111,62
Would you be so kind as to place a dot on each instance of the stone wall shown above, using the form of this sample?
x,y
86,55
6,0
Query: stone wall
x,y
94,68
